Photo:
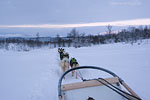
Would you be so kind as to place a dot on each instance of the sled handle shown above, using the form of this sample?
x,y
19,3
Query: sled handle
x,y
83,67
130,90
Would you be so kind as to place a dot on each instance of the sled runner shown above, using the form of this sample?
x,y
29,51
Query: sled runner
x,y
96,89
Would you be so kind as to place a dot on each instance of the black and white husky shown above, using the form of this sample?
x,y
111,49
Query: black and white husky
x,y
64,60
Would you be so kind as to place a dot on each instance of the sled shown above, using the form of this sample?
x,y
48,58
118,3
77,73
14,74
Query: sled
x,y
96,89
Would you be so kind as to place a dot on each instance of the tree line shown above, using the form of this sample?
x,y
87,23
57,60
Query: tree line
x,y
76,39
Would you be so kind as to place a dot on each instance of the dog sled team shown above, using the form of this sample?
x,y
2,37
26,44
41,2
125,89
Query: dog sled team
x,y
65,64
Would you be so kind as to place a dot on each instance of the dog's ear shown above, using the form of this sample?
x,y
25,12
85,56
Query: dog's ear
x,y
58,49
62,50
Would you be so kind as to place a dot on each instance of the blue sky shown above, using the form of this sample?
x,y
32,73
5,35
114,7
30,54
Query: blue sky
x,y
62,12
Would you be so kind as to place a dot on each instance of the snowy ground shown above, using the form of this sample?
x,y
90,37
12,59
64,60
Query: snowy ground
x,y
34,75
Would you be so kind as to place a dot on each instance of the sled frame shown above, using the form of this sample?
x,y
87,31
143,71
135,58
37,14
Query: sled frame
x,y
114,80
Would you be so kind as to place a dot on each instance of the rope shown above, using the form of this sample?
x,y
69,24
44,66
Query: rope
x,y
119,90
80,75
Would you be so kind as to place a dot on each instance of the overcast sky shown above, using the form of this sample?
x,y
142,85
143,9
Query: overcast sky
x,y
26,13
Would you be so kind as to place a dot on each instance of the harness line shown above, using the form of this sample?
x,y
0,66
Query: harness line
x,y
80,75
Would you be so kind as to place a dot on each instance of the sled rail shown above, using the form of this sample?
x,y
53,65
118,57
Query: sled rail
x,y
129,89
91,83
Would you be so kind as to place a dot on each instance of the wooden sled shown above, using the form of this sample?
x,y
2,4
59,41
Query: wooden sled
x,y
96,89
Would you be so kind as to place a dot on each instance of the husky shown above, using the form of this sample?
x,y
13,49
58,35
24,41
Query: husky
x,y
64,63
73,64
61,52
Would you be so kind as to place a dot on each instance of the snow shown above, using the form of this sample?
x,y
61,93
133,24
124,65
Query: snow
x,y
34,75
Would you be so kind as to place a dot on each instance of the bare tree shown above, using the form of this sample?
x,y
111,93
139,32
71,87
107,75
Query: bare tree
x,y
109,29
59,40
37,36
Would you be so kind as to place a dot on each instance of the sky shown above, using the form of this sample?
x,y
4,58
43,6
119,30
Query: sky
x,y
27,16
